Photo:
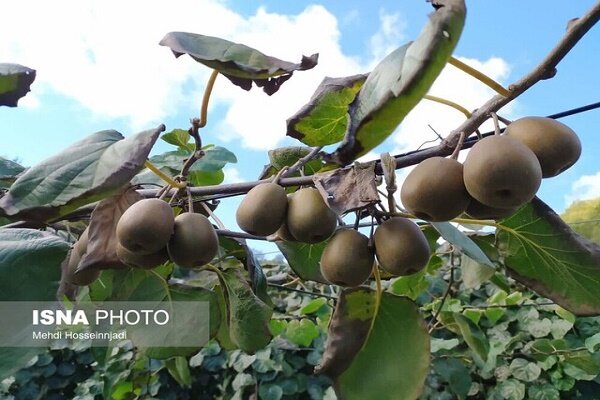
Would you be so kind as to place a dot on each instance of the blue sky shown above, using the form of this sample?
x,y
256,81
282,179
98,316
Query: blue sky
x,y
100,67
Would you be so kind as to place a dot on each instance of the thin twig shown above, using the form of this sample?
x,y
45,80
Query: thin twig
x,y
447,293
315,294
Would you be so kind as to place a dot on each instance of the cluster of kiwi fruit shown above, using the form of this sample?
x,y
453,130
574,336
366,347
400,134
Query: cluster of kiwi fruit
x,y
500,173
302,216
148,235
399,245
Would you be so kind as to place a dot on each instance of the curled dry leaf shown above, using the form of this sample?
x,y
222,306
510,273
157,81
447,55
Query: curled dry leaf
x,y
349,189
102,239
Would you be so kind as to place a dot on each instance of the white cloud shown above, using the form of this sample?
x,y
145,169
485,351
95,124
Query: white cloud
x,y
389,36
105,55
585,188
232,175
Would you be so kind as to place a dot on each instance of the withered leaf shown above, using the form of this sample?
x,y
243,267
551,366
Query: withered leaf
x,y
349,189
102,239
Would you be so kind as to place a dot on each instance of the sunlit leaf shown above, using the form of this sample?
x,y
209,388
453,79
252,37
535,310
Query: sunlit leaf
x,y
462,242
400,81
324,120
544,253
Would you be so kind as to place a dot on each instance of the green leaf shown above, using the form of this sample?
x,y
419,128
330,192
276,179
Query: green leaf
x,y
462,242
301,332
214,159
179,138
304,259
474,274
29,271
544,253
511,389
30,264
473,336
8,172
240,63
248,316
593,343
206,178
288,156
543,392
89,170
456,374
584,361
366,356
524,370
400,81
15,81
324,120
443,344
313,306
411,285
180,371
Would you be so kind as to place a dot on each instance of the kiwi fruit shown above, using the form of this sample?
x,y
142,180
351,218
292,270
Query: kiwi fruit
x,y
81,278
435,191
502,172
478,210
194,242
556,146
146,226
347,259
309,219
400,246
144,261
262,211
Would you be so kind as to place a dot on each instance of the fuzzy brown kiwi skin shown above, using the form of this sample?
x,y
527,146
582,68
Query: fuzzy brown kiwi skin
x,y
144,261
401,247
263,209
146,226
556,146
347,260
309,219
194,242
478,210
502,172
430,181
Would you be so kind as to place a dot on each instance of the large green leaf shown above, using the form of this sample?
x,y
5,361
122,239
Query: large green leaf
x,y
400,81
391,361
304,258
248,316
29,271
473,336
15,81
324,120
240,63
544,253
89,170
30,264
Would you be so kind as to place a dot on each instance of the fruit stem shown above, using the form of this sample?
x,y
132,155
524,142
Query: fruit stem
x,y
213,216
190,200
496,124
452,104
388,166
458,147
163,176
207,91
480,76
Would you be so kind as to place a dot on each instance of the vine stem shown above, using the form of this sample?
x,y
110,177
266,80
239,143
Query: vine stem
x,y
303,161
480,76
163,176
449,103
446,294
205,99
